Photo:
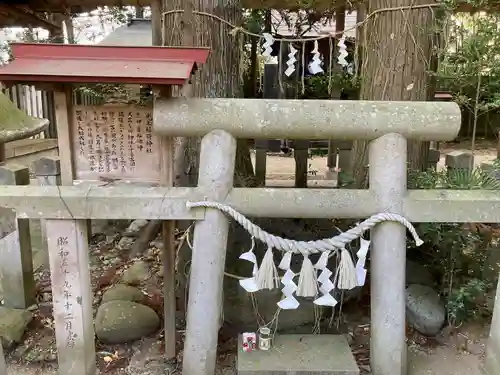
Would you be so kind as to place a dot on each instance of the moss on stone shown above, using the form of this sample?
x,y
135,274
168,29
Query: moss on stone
x,y
11,117
16,124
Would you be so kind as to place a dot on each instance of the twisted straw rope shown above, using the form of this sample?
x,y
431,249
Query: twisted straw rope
x,y
308,247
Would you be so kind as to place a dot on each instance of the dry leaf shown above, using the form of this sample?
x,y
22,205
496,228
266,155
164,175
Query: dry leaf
x,y
108,359
410,87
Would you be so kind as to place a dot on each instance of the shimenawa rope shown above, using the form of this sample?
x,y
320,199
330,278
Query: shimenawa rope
x,y
265,277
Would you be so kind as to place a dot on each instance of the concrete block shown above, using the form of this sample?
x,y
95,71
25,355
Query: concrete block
x,y
300,355
47,166
460,160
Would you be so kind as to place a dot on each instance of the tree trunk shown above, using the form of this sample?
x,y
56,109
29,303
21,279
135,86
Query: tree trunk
x,y
397,49
220,77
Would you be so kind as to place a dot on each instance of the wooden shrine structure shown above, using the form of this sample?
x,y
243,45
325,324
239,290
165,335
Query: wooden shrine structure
x,y
99,145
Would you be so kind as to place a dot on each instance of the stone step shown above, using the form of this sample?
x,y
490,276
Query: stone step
x,y
300,355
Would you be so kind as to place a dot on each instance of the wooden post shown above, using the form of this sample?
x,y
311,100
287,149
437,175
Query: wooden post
x,y
3,364
16,260
48,173
168,227
498,146
301,154
387,157
271,90
217,162
72,295
335,94
63,101
169,251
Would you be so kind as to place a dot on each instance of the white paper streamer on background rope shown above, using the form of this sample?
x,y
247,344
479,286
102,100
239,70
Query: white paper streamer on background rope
x,y
267,46
315,64
291,61
342,52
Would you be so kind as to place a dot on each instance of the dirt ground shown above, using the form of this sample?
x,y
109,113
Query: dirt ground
x,y
283,167
459,353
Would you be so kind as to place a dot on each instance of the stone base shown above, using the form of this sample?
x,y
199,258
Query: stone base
x,y
300,355
491,364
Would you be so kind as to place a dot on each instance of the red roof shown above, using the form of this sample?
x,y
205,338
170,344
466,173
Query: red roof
x,y
71,63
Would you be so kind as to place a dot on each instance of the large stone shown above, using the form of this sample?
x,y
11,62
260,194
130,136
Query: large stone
x,y
239,307
136,273
418,274
13,323
119,322
125,243
122,292
240,310
300,355
424,309
135,227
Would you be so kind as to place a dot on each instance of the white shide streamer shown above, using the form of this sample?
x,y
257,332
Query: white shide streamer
x,y
250,284
315,64
267,46
342,52
291,61
347,275
289,302
326,288
360,264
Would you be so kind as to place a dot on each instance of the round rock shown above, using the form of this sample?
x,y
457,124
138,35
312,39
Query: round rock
x,y
424,309
122,292
118,322
137,273
13,324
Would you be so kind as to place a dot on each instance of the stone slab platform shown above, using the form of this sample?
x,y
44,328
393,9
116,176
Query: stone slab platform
x,y
300,355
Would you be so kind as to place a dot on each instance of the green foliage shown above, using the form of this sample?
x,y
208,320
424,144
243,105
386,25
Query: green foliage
x,y
470,66
453,252
319,86
464,301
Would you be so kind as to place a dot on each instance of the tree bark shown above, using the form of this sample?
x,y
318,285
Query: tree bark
x,y
220,76
397,53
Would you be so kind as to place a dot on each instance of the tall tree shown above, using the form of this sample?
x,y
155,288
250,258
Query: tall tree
x,y
220,77
397,55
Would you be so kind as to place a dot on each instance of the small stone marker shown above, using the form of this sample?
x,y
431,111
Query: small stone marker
x,y
300,355
460,160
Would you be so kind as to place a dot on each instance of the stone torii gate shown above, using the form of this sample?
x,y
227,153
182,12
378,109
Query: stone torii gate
x,y
220,121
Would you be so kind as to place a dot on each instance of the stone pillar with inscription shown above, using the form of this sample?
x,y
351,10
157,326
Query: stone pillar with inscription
x,y
72,295
16,261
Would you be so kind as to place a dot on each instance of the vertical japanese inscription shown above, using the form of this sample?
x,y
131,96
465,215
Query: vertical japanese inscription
x,y
63,253
90,145
121,127
149,131
81,133
115,142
